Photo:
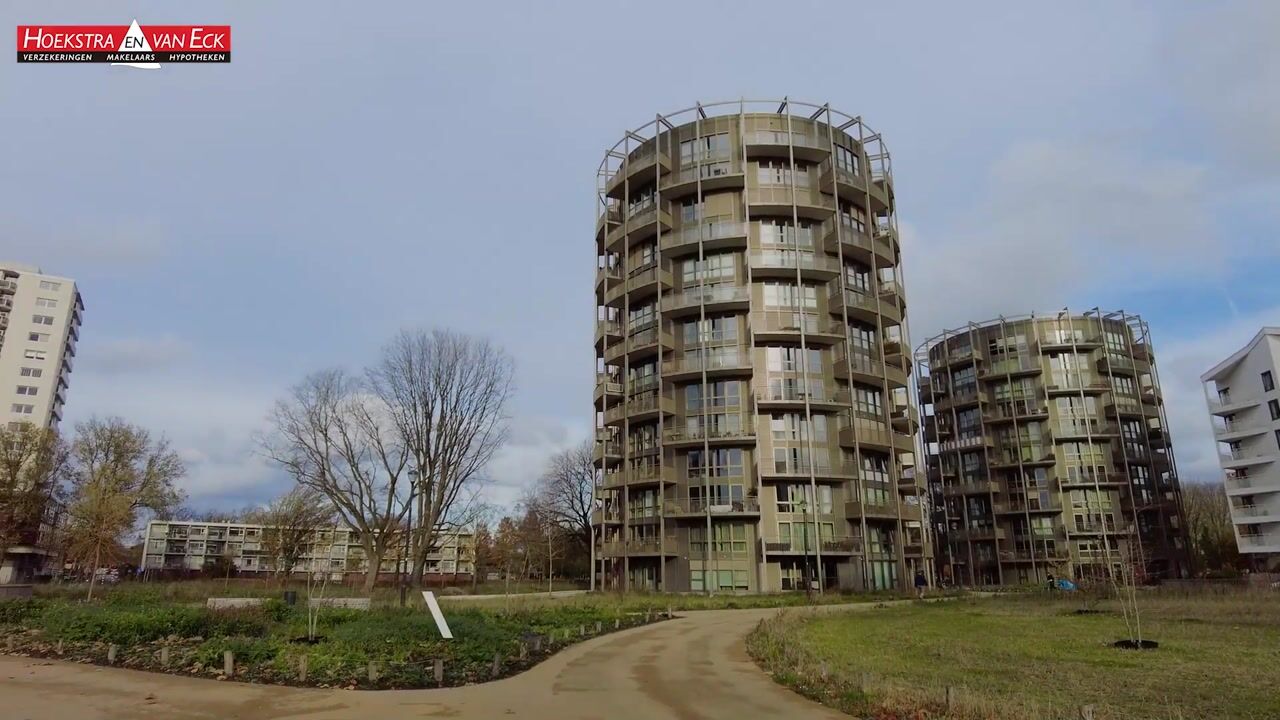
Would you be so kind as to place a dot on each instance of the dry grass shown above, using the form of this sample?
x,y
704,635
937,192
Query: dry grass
x,y
1032,657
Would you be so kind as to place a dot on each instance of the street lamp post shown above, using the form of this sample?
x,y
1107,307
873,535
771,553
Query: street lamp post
x,y
403,568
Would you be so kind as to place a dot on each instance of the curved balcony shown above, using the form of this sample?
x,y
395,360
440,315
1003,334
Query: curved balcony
x,y
1116,365
640,409
822,470
816,396
651,161
714,174
607,277
850,185
786,264
714,298
867,370
855,243
808,202
863,306
640,286
780,143
836,545
717,429
699,508
640,344
716,364
882,439
608,390
717,234
640,225
609,331
786,327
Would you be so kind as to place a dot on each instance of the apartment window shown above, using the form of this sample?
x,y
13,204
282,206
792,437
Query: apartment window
x,y
46,303
1278,438
777,232
22,409
37,372
35,354
792,359
49,285
1274,407
853,218
789,295
42,319
713,269
708,147
38,337
690,210
1268,383
642,317
778,172
847,159
712,331
27,390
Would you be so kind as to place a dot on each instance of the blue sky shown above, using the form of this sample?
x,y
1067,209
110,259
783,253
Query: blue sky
x,y
353,172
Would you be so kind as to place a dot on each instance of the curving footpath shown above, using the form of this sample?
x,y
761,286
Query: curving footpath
x,y
694,667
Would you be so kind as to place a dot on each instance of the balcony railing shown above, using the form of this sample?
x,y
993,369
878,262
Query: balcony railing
x,y
782,137
736,358
714,506
790,260
708,295
721,427
706,232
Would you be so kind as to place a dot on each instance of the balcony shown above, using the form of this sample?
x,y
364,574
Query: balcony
x,y
1011,366
643,222
609,331
608,387
787,263
645,159
1110,364
640,409
987,534
1259,543
610,451
718,429
713,234
1102,528
905,419
608,278
1239,458
1076,386
867,370
1226,405
715,362
863,306
786,327
1251,485
780,143
841,236
881,438
1008,411
1236,430
8,287
807,202
712,298
641,344
979,487
690,507
6,303
850,184
653,546
1064,342
715,172
858,509
641,285
797,396
1012,508
821,469
842,545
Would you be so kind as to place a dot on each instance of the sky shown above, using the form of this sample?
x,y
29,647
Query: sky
x,y
350,173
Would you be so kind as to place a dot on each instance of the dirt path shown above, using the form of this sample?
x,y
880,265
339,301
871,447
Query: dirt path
x,y
694,667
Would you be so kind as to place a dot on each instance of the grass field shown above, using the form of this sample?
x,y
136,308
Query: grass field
x,y
1035,656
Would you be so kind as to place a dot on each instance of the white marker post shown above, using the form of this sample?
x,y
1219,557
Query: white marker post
x,y
434,607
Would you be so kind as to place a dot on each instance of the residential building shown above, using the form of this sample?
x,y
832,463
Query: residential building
x,y
1048,450
1244,407
39,326
180,545
755,425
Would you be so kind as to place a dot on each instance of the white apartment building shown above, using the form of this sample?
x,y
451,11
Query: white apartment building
x,y
178,545
1244,406
39,325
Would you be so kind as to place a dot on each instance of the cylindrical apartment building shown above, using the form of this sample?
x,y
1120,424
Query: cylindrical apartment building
x,y
1048,451
755,425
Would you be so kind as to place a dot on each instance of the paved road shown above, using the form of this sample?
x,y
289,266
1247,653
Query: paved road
x,y
694,667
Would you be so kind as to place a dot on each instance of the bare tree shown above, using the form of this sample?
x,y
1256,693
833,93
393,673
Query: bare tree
x,y
337,441
118,471
1209,528
33,462
446,395
566,490
290,522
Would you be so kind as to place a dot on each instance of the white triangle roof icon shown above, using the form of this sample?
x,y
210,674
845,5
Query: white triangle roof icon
x,y
136,41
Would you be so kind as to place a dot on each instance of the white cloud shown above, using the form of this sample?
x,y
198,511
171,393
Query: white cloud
x,y
532,443
1058,220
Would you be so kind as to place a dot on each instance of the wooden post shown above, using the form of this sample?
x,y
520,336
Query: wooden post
x,y
599,627
669,615
8,643
439,671
497,664
617,623
646,615
373,672
228,663
524,651
302,669
537,643
953,698
1086,712
111,653
59,647
164,656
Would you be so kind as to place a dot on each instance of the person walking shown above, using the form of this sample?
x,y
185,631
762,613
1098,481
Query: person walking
x,y
921,584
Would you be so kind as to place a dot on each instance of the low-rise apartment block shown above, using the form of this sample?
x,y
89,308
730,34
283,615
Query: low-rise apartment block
x,y
179,545
1244,407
